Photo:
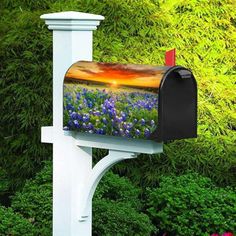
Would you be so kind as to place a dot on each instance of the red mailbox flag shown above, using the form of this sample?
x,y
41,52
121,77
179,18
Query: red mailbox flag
x,y
170,58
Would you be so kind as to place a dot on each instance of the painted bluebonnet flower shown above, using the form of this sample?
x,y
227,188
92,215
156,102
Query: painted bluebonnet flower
x,y
90,126
66,128
121,131
147,132
127,133
70,107
137,132
97,113
84,126
152,122
84,91
104,110
85,118
78,95
101,131
90,105
76,123
70,124
74,115
135,120
104,120
80,107
115,132
143,121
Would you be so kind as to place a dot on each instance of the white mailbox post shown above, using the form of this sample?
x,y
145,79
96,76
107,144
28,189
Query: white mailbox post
x,y
74,179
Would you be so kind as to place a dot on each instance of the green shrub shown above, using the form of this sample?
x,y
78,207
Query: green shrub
x,y
192,205
14,224
117,218
35,201
136,32
116,206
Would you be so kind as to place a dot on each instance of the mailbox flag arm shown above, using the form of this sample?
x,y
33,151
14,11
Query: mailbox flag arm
x,y
170,58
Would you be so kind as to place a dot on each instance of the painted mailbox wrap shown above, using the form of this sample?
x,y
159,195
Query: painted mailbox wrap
x,y
113,99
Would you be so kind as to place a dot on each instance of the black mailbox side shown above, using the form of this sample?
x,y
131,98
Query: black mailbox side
x,y
177,105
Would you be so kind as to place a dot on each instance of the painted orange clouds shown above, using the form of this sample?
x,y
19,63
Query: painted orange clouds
x,y
116,74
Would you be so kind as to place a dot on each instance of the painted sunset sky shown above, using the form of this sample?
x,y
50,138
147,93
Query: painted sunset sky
x,y
116,74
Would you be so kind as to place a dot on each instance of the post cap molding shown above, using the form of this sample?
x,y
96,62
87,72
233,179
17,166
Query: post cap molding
x,y
72,20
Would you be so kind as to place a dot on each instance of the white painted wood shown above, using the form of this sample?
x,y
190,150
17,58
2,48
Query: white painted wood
x,y
72,41
116,143
106,142
95,176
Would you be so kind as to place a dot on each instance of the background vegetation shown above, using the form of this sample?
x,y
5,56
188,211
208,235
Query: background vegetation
x,y
204,33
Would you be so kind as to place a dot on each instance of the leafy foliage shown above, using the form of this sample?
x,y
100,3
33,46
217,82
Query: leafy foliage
x,y
35,201
203,33
115,203
192,205
14,224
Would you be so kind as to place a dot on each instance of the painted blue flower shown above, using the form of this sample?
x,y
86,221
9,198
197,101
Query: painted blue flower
x,y
66,128
137,132
76,123
147,132
104,120
143,121
152,122
86,118
78,95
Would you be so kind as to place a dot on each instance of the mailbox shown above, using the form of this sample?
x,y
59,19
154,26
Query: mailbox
x,y
133,101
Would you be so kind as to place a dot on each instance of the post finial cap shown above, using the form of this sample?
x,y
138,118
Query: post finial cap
x,y
72,20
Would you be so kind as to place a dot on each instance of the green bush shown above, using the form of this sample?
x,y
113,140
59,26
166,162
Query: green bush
x,y
192,205
35,201
136,32
14,224
116,206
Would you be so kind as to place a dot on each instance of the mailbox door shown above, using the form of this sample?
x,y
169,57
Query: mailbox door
x,y
177,105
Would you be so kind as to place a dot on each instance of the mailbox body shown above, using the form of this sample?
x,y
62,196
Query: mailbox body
x,y
133,101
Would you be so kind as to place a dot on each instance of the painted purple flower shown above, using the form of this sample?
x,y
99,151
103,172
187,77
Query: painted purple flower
x,y
121,131
85,118
127,133
90,126
78,96
104,120
143,121
69,106
152,122
115,133
66,128
137,132
147,132
97,113
76,123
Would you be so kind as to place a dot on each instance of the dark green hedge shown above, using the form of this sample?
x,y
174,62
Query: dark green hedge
x,y
134,31
192,205
116,206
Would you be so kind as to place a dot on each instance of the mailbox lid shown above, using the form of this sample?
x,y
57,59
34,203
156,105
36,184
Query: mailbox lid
x,y
112,99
